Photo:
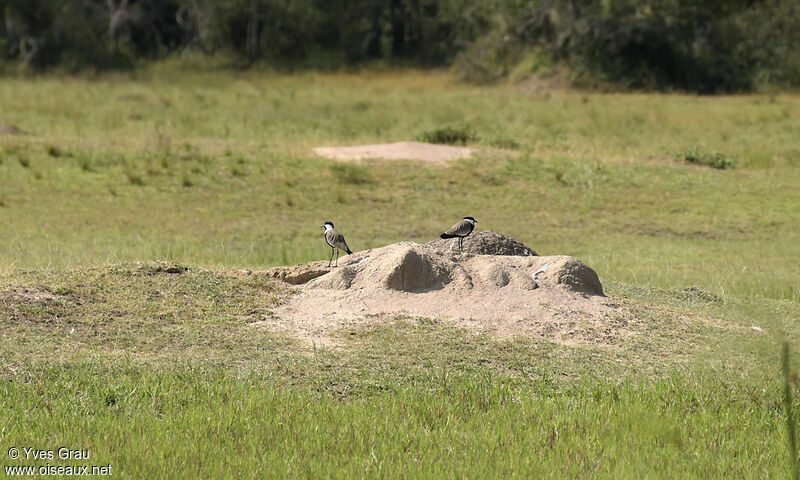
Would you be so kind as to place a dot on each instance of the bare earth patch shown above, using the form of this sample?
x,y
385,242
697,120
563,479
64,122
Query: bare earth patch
x,y
31,304
10,129
425,152
26,296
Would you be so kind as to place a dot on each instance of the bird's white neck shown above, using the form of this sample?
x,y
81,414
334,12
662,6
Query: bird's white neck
x,y
327,227
470,221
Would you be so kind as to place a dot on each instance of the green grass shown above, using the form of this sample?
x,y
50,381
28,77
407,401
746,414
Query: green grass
x,y
191,422
215,169
91,353
163,374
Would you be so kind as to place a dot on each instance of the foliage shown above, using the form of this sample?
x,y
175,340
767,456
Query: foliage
x,y
116,33
449,135
716,160
705,47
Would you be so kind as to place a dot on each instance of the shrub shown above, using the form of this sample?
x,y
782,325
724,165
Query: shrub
x,y
454,135
536,62
716,160
705,47
709,46
54,151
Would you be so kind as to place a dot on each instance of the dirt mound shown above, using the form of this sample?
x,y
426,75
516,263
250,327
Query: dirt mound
x,y
573,274
299,274
409,267
425,152
404,267
483,243
508,294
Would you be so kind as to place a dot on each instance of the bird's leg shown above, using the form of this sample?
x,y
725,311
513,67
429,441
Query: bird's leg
x,y
330,259
337,257
461,244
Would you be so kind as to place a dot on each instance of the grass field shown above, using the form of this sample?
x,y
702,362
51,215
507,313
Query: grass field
x,y
161,375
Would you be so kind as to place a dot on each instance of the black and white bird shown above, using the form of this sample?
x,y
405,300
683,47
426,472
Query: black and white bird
x,y
461,230
335,240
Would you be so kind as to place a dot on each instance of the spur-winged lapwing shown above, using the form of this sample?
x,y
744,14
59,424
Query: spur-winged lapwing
x,y
461,230
335,240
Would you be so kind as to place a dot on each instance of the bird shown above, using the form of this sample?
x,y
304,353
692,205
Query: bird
x,y
335,240
461,230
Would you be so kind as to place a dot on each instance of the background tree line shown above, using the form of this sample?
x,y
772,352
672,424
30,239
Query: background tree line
x,y
696,45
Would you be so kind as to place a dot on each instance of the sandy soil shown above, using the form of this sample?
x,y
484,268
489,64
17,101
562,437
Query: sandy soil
x,y
425,152
555,296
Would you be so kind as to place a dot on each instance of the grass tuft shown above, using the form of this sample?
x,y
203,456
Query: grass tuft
x,y
449,135
350,174
791,433
716,160
86,163
501,142
693,294
54,151
134,178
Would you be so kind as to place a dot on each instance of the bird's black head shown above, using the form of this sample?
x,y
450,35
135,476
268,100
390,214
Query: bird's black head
x,y
471,219
327,223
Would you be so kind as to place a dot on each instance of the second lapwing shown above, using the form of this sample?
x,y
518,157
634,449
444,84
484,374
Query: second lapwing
x,y
461,230
335,240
